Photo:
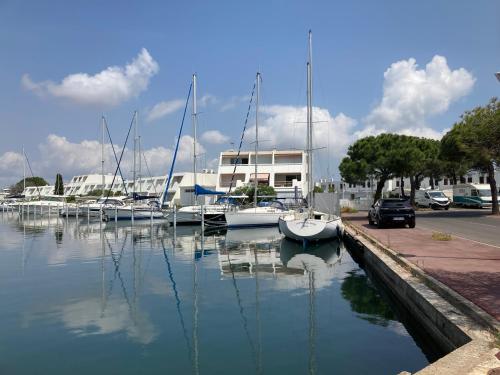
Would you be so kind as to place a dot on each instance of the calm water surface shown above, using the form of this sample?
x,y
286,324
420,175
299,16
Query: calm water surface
x,y
143,299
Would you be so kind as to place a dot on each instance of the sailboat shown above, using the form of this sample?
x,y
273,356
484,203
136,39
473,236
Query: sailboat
x,y
257,216
310,225
191,215
132,210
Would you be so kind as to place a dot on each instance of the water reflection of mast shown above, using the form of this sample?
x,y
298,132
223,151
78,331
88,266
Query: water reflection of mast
x,y
312,323
242,311
117,273
195,311
177,299
257,313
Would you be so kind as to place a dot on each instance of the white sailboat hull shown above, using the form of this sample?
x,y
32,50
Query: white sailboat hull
x,y
125,213
192,214
305,229
253,218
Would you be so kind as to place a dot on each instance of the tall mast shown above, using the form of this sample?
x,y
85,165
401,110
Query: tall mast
x,y
195,126
256,180
135,149
24,170
102,156
310,181
139,155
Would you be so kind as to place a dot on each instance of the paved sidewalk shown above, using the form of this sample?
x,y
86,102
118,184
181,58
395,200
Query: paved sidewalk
x,y
470,268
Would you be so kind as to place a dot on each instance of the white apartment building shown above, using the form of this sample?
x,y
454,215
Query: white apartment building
x,y
36,191
181,189
284,170
352,191
83,184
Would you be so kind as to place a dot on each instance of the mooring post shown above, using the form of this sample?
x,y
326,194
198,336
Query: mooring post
x,y
202,219
132,210
175,217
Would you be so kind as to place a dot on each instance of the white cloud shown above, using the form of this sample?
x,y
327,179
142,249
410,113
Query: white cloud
x,y
284,126
215,137
164,108
10,161
233,102
110,87
72,158
412,95
11,168
207,99
87,317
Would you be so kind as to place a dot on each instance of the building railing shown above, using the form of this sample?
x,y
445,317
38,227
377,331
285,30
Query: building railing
x,y
283,183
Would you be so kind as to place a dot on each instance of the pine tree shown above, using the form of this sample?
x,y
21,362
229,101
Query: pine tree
x,y
59,186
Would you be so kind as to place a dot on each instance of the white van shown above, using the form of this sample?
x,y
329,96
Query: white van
x,y
472,195
434,199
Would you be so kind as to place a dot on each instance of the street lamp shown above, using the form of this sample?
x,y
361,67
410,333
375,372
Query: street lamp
x,y
497,74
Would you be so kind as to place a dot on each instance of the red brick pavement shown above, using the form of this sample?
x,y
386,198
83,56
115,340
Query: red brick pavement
x,y
470,268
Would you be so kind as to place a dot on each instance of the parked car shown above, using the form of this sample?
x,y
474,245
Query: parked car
x,y
434,199
472,195
392,211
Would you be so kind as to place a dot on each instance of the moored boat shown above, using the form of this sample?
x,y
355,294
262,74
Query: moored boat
x,y
310,225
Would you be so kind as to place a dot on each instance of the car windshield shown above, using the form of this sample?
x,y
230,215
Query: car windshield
x,y
484,192
393,203
437,194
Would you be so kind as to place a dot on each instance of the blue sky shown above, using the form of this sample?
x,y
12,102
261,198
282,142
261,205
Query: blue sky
x,y
226,42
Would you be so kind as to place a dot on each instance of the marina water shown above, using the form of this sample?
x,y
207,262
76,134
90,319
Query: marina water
x,y
80,297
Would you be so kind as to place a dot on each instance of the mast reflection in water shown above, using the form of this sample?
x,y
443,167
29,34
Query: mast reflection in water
x,y
85,297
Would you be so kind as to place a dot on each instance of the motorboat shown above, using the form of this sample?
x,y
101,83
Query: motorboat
x,y
45,205
132,211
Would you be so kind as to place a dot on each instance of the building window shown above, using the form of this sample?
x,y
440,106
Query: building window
x,y
469,179
285,179
487,179
397,183
368,184
445,181
462,179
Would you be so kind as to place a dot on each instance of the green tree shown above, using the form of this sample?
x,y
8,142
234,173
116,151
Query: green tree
x,y
264,193
59,185
370,157
365,299
17,188
476,138
318,189
98,193
417,158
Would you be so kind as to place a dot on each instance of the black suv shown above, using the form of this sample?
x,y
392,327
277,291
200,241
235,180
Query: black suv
x,y
392,211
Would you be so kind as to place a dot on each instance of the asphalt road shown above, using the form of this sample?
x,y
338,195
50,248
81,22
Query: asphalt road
x,y
473,224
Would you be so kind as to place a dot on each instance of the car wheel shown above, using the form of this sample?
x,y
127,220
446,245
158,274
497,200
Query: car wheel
x,y
380,225
447,208
411,223
370,221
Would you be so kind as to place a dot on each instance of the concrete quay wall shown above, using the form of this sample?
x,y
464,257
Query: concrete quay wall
x,y
454,324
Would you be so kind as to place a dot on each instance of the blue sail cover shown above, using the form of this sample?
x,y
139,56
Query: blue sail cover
x,y
199,190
